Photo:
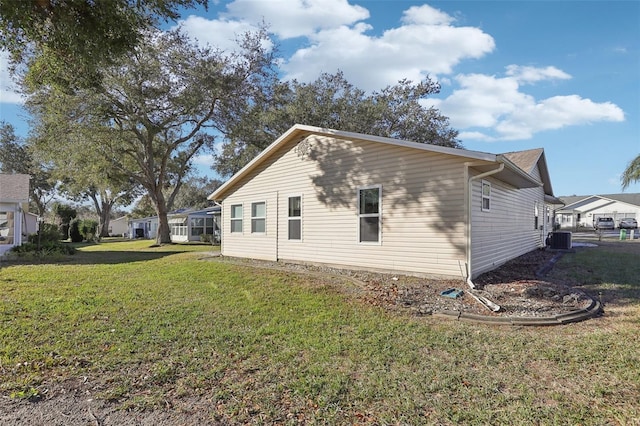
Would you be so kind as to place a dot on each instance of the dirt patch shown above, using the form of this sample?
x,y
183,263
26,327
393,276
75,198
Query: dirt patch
x,y
519,287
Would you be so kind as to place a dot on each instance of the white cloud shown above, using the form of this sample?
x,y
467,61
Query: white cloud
x,y
533,74
296,18
498,105
8,90
426,44
203,160
217,33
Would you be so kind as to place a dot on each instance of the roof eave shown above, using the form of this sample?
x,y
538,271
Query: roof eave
x,y
297,129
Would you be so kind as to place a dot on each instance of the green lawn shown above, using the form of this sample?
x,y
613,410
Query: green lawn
x,y
155,324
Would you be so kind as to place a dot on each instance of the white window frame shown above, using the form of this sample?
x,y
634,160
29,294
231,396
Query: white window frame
x,y
263,218
294,218
238,219
484,197
366,215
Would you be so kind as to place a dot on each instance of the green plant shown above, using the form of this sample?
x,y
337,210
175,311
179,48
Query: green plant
x,y
46,249
47,232
88,228
29,393
74,231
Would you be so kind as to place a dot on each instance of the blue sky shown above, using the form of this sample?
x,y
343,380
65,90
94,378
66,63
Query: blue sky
x,y
515,75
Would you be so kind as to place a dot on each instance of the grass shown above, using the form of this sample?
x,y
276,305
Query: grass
x,y
145,326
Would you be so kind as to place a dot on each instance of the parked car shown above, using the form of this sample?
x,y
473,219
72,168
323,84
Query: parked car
x,y
628,223
604,223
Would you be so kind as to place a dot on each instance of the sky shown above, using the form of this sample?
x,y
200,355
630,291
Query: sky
x,y
514,75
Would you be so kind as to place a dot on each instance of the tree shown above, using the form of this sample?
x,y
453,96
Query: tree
x,y
65,214
66,43
144,207
84,174
331,101
16,157
194,193
632,173
155,106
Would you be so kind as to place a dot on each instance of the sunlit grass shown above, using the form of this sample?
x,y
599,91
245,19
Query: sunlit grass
x,y
147,324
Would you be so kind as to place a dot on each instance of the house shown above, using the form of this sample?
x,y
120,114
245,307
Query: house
x,y
189,224
145,227
366,202
119,227
583,211
14,202
30,224
184,225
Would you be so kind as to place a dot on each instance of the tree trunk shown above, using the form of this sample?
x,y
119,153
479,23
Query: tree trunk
x,y
163,236
105,217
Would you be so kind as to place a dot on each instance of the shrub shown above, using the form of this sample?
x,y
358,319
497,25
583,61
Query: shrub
x,y
48,248
47,232
74,231
88,229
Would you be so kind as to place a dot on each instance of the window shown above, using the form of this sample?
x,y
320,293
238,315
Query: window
x,y
236,218
201,225
369,214
258,217
486,196
197,226
295,218
535,215
6,227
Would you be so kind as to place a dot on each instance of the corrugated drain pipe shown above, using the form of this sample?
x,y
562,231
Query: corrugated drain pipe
x,y
469,206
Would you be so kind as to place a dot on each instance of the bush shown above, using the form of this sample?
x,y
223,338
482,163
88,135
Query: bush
x,y
88,229
46,249
47,233
74,231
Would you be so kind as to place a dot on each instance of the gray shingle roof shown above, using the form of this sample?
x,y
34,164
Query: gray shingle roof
x,y
14,188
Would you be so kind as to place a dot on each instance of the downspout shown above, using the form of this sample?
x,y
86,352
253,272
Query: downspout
x,y
470,179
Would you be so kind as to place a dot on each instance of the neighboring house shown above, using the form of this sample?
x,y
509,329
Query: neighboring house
x,y
146,227
366,202
189,225
184,225
119,227
583,211
30,224
14,203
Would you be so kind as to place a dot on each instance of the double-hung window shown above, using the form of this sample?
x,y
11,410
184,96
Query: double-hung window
x,y
369,209
295,218
486,196
236,218
258,217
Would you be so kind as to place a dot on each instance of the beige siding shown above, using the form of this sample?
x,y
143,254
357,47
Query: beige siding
x,y
507,230
422,207
247,243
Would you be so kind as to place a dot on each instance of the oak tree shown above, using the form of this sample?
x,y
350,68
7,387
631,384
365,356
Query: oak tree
x,y
158,107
